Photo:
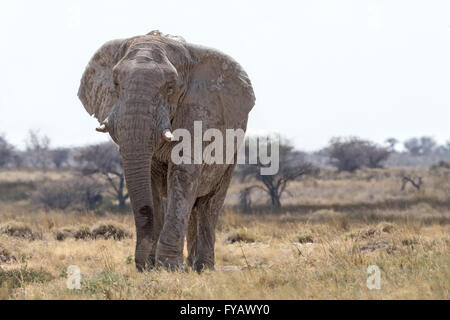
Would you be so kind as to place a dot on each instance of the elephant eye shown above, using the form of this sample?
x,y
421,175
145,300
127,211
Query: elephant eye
x,y
115,81
116,75
170,89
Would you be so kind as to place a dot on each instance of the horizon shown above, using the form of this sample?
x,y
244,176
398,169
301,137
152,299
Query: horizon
x,y
398,147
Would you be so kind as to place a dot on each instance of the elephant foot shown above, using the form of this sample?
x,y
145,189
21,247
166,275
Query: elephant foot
x,y
147,265
170,264
141,267
143,258
144,264
201,266
168,258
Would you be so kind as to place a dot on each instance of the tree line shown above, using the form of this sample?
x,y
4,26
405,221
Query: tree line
x,y
99,173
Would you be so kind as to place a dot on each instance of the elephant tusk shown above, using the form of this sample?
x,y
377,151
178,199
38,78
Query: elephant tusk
x,y
168,136
102,128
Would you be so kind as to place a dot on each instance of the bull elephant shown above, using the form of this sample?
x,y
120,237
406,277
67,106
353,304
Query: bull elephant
x,y
143,88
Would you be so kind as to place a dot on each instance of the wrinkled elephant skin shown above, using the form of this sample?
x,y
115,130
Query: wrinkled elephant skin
x,y
143,88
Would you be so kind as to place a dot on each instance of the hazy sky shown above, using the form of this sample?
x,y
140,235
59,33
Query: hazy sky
x,y
320,69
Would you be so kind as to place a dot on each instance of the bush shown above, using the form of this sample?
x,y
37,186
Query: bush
x,y
241,235
352,154
109,231
59,156
11,191
420,146
292,166
5,255
76,194
18,229
104,160
16,278
304,237
441,164
6,152
101,230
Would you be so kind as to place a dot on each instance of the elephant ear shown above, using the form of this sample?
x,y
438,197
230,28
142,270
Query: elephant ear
x,y
97,90
220,88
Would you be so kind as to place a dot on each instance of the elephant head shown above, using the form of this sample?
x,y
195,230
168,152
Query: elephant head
x,y
142,88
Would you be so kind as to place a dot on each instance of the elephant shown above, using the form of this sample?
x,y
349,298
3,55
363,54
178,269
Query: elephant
x,y
142,89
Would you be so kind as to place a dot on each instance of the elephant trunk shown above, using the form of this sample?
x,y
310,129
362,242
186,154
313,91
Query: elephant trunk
x,y
136,148
138,135
137,175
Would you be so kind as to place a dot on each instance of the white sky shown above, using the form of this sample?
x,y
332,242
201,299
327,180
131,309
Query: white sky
x,y
319,68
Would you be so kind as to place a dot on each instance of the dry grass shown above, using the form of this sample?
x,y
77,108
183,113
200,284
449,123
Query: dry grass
x,y
275,258
319,254
368,186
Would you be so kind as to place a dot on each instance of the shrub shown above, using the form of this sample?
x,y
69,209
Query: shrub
x,y
17,229
59,156
6,152
441,164
109,230
64,233
16,278
420,146
83,233
77,194
104,160
292,165
102,230
303,237
353,153
5,255
241,235
16,190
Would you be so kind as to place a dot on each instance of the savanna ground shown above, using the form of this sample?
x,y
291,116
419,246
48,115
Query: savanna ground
x,y
317,247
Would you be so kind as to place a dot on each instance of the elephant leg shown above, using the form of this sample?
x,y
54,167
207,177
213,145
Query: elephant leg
x,y
144,229
201,253
206,211
183,181
191,237
158,214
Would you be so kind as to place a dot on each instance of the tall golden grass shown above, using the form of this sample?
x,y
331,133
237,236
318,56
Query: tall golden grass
x,y
319,252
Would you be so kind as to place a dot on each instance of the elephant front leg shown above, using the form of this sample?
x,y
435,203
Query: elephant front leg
x,y
191,237
206,211
158,215
201,252
183,181
144,229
